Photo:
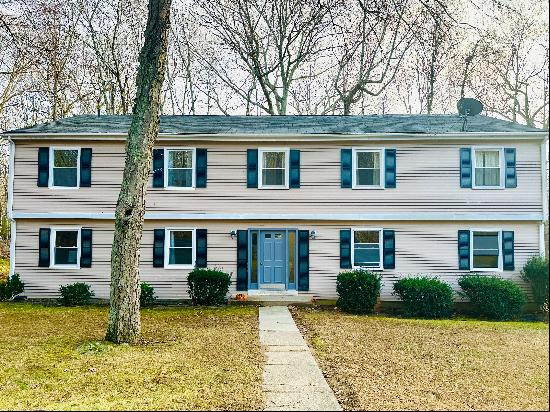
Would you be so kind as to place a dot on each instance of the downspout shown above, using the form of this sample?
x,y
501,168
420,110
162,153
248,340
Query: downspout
x,y
13,230
544,180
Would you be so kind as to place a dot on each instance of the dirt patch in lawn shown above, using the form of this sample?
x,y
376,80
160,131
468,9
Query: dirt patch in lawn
x,y
379,363
55,358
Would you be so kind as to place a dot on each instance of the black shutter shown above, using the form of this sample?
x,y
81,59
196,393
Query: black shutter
x,y
242,260
391,168
303,260
158,167
345,249
201,169
389,249
202,249
510,158
464,249
44,247
508,250
158,248
346,168
43,166
252,168
294,169
465,167
86,248
85,168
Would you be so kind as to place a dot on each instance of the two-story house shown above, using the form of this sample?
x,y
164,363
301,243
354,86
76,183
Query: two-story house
x,y
283,203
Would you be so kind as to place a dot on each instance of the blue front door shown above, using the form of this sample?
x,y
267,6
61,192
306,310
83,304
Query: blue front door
x,y
273,257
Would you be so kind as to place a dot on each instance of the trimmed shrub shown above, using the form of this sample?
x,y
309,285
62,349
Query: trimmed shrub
x,y
535,272
75,294
493,297
147,296
208,286
11,287
425,297
357,291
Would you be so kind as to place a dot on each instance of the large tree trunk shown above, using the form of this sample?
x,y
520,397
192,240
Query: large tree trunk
x,y
124,319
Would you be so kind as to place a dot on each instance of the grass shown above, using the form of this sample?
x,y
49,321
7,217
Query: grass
x,y
379,363
55,358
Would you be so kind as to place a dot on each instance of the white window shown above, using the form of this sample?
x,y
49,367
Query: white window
x,y
485,252
488,168
274,170
65,247
179,166
367,248
179,248
64,168
368,168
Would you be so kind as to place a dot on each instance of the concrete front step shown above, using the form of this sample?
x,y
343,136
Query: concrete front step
x,y
279,299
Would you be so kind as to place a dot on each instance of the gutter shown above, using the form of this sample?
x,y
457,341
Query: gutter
x,y
277,137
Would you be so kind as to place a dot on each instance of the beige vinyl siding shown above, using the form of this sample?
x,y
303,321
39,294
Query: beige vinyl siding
x,y
427,181
421,248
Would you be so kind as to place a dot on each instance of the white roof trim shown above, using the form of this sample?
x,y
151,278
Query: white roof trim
x,y
436,216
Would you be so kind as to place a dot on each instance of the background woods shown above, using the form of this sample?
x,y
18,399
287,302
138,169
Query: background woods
x,y
61,58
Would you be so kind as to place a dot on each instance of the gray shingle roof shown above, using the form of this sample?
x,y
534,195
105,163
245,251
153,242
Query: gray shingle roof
x,y
257,125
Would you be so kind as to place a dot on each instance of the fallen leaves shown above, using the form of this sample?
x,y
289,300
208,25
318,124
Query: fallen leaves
x,y
379,363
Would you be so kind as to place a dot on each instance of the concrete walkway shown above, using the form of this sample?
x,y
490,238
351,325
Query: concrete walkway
x,y
292,379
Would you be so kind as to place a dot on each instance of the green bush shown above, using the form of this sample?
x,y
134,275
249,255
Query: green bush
x,y
208,286
357,291
147,296
535,272
425,297
75,294
493,297
11,287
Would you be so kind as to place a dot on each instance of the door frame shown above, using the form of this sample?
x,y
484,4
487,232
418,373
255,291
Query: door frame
x,y
288,285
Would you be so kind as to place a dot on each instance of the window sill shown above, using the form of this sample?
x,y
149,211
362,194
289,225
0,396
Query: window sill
x,y
179,188
272,188
368,188
376,269
488,187
486,270
65,267
63,187
167,266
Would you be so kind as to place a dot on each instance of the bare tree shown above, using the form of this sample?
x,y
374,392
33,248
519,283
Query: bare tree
x,y
268,40
124,319
109,28
373,38
513,79
434,46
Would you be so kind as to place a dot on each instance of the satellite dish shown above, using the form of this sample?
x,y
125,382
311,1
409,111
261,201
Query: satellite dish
x,y
469,107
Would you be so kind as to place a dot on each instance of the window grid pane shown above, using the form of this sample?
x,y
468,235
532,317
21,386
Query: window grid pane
x,y
65,158
66,247
487,171
65,168
367,171
180,168
274,169
366,248
485,250
181,247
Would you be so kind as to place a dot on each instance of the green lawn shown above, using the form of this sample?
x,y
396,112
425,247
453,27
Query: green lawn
x,y
379,363
54,358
